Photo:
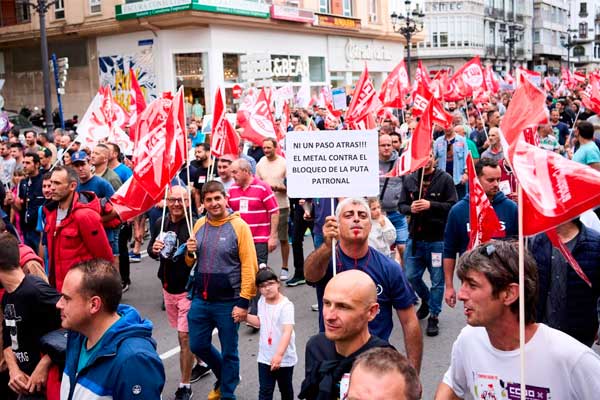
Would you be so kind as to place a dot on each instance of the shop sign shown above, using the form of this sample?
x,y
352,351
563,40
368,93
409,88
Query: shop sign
x,y
295,14
293,66
245,8
337,22
149,8
366,51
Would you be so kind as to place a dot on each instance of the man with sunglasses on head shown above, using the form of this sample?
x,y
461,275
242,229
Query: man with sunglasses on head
x,y
167,237
485,356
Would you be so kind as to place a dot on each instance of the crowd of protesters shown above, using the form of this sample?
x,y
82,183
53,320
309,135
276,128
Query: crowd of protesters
x,y
65,259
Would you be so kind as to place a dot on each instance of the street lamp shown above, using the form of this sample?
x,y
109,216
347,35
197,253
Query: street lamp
x,y
42,7
511,36
408,25
566,40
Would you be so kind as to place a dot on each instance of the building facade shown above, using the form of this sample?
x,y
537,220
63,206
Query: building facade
x,y
458,30
200,44
584,25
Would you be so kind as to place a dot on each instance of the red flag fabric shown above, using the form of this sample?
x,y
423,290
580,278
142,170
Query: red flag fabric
x,y
483,221
527,109
416,154
176,134
364,104
246,106
422,76
440,116
491,80
555,188
525,74
557,243
395,87
591,95
224,138
132,200
579,77
137,104
469,77
422,98
259,122
151,156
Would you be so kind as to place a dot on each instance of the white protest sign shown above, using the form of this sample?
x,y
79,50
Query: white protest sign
x,y
332,163
339,98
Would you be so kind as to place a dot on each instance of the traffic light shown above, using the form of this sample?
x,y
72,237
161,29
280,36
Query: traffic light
x,y
63,68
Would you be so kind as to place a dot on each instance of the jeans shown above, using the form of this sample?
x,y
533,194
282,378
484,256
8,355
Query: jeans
x,y
124,237
203,317
268,378
318,240
300,226
399,222
420,255
32,239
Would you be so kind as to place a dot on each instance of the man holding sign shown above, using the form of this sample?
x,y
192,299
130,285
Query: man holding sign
x,y
351,227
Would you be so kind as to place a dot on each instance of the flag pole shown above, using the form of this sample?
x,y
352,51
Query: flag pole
x,y
164,211
481,118
573,128
521,292
185,213
58,160
333,242
423,168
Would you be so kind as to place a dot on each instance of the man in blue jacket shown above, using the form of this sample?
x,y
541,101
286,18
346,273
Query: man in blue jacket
x,y
456,235
110,350
565,301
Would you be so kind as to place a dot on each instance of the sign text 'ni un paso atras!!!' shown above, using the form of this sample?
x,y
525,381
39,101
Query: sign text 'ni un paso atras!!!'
x,y
332,164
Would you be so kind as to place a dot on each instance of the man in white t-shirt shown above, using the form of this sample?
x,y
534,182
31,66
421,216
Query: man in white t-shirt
x,y
271,169
485,360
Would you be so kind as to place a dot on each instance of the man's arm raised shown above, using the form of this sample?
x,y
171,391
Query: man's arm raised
x,y
316,263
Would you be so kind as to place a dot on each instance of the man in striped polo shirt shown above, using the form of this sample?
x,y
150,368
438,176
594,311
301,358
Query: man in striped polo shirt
x,y
258,207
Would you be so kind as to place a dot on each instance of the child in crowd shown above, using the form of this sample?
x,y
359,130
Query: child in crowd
x,y
383,232
277,348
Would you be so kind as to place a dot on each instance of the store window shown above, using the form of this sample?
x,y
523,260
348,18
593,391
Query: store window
x,y
288,68
189,73
231,67
337,79
316,67
324,6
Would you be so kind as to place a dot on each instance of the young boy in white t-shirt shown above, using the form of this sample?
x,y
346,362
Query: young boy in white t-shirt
x,y
277,348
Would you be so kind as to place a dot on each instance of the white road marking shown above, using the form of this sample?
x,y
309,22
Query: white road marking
x,y
176,350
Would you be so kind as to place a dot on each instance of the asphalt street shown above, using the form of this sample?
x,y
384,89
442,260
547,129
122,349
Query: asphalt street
x,y
145,295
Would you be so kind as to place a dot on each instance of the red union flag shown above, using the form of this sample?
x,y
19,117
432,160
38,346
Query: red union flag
x,y
137,104
151,155
259,122
132,200
395,86
421,98
176,134
483,221
364,104
422,76
591,96
416,154
469,77
491,80
224,139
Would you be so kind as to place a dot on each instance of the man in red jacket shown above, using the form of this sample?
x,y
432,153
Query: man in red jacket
x,y
73,227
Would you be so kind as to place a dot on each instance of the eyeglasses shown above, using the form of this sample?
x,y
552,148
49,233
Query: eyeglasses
x,y
175,200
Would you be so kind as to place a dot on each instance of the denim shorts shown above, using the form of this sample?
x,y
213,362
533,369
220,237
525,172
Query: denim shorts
x,y
399,222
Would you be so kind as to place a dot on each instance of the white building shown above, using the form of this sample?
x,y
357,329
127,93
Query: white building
x,y
585,32
550,23
457,30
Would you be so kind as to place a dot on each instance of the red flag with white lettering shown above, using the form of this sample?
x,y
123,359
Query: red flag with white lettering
x,y
469,77
395,87
421,75
591,95
491,80
483,221
224,138
132,200
176,134
416,154
364,104
259,123
137,104
151,155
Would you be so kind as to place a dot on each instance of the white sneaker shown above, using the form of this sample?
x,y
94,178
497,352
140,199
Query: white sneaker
x,y
315,307
284,274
